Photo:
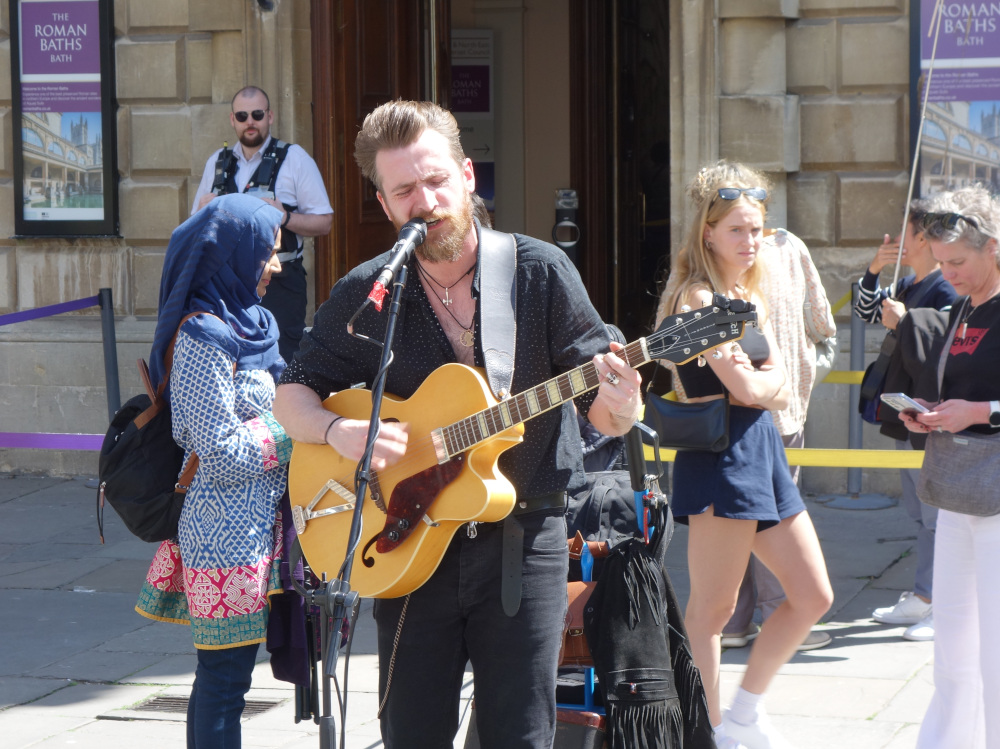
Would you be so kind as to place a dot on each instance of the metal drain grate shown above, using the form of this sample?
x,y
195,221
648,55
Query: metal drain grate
x,y
180,705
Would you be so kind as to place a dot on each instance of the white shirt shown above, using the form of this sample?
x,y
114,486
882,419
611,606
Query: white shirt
x,y
299,182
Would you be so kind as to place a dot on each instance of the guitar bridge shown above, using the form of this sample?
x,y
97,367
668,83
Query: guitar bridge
x,y
302,515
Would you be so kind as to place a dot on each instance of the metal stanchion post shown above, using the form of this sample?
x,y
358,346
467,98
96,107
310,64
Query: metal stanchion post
x,y
855,500
110,352
854,424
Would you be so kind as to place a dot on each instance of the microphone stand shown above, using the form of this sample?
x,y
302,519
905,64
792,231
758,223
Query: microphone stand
x,y
334,598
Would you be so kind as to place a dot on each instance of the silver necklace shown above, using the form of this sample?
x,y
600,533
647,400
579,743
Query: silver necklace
x,y
468,336
446,300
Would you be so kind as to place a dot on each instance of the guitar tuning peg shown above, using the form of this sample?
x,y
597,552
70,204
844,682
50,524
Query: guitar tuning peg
x,y
686,308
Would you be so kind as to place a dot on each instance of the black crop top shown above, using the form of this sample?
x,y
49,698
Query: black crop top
x,y
701,381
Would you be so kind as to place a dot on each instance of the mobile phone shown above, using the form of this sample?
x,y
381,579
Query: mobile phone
x,y
903,402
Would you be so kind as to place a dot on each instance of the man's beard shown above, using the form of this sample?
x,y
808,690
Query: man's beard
x,y
252,141
448,248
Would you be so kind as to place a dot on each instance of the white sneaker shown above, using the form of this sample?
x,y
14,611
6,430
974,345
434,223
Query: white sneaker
x,y
921,631
758,735
908,610
740,639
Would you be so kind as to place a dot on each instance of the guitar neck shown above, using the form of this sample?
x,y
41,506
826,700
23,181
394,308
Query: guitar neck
x,y
470,431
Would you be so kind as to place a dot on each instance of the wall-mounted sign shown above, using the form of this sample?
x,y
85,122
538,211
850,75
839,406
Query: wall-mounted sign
x,y
64,140
960,139
472,104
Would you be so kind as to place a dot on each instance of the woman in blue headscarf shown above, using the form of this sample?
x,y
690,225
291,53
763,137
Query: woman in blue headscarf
x,y
217,574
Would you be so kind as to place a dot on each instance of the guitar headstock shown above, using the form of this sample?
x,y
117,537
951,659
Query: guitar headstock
x,y
683,336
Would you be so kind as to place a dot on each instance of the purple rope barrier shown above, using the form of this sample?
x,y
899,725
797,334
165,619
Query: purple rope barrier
x,y
47,440
52,309
51,441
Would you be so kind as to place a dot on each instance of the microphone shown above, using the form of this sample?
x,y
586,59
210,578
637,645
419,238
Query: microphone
x,y
411,236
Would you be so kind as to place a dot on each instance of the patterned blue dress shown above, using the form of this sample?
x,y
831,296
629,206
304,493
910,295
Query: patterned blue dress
x,y
218,574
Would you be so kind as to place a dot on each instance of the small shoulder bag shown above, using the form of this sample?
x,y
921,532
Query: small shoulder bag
x,y
961,471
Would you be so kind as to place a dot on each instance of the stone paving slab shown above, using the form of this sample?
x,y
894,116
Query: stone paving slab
x,y
52,625
21,691
21,729
81,700
59,574
909,703
12,486
99,665
152,637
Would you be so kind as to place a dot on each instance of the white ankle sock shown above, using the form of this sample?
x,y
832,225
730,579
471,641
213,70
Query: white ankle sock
x,y
744,707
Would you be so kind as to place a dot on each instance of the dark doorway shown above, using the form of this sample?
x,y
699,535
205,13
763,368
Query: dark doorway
x,y
620,154
367,52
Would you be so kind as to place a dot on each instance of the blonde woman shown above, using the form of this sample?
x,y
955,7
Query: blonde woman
x,y
741,500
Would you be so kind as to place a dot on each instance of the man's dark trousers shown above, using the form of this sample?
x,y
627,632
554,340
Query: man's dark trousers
x,y
457,616
286,298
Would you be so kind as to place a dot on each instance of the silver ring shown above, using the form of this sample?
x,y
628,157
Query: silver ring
x,y
938,429
612,378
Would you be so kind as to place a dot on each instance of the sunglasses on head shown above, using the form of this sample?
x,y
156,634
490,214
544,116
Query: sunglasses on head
x,y
936,224
257,114
732,193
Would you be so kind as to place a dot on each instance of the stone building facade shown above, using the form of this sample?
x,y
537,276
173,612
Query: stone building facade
x,y
177,65
815,92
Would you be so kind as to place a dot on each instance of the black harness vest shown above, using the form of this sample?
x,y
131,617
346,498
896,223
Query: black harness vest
x,y
262,180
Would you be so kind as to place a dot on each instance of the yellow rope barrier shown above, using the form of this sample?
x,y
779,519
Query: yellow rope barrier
x,y
839,304
843,377
830,458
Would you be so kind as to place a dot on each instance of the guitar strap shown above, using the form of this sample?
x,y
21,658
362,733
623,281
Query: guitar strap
x,y
498,302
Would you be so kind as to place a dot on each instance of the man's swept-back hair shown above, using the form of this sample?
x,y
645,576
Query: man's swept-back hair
x,y
250,91
397,124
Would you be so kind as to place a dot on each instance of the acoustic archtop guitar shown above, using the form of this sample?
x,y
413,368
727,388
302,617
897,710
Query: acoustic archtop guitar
x,y
449,475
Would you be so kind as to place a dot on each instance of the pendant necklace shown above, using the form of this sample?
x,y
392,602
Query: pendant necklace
x,y
446,300
965,319
468,337
970,308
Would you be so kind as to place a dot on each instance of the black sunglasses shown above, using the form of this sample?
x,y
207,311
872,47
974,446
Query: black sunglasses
x,y
257,114
936,224
732,193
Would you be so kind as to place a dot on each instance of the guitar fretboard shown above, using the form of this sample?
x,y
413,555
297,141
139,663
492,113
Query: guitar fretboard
x,y
468,432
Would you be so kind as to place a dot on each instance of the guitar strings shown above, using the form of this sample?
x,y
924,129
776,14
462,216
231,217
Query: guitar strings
x,y
423,450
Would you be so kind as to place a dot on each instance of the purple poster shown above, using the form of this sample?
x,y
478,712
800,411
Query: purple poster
x,y
967,61
60,56
960,130
470,88
62,133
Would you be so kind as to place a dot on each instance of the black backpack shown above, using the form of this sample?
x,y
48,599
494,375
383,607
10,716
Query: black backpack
x,y
139,468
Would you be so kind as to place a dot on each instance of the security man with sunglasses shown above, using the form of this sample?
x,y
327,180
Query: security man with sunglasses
x,y
284,176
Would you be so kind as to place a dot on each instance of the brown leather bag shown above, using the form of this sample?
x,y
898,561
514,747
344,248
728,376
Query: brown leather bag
x,y
574,651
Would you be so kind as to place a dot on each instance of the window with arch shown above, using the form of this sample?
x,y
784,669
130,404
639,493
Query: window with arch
x,y
30,136
960,141
934,130
56,149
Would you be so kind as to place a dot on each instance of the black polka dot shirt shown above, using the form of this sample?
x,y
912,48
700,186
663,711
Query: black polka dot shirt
x,y
558,329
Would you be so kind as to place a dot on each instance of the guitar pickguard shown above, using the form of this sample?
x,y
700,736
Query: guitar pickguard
x,y
411,499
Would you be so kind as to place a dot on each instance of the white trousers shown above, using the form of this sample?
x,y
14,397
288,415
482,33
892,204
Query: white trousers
x,y
965,710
